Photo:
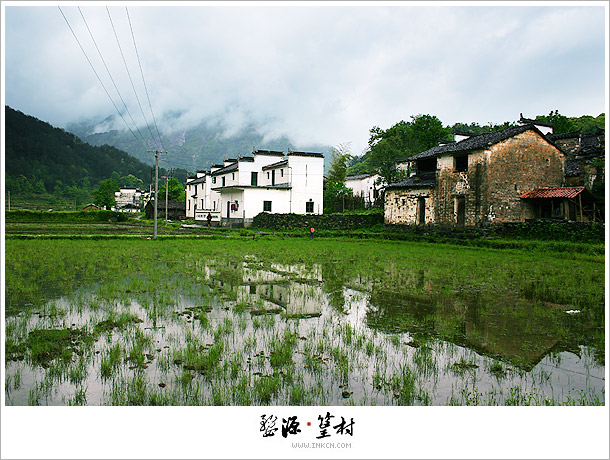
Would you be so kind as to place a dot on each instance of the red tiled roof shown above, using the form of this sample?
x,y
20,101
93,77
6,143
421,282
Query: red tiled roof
x,y
557,192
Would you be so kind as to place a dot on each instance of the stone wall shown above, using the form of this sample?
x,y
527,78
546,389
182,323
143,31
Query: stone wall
x,y
401,206
319,222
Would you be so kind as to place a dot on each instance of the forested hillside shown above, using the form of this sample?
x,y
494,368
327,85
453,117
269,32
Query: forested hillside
x,y
55,166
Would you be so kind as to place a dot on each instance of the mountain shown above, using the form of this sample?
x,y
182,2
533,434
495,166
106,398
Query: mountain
x,y
195,148
41,159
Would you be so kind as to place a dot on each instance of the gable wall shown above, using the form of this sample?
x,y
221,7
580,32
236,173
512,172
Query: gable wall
x,y
515,166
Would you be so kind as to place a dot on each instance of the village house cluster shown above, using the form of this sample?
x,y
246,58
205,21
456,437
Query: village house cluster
x,y
513,175
267,181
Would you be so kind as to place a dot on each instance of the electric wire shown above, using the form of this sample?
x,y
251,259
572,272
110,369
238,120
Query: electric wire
x,y
143,80
112,79
130,79
97,75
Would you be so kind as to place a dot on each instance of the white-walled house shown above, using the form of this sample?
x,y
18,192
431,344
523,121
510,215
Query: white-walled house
x,y
129,199
365,186
267,181
201,200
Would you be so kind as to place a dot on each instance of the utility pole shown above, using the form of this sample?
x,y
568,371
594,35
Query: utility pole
x,y
156,152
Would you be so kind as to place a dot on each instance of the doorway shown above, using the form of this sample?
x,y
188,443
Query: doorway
x,y
460,211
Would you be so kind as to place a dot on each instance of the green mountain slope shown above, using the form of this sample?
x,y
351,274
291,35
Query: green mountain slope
x,y
43,160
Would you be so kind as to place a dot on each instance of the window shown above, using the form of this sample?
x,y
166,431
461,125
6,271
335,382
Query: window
x,y
267,174
213,180
223,181
281,173
461,163
309,206
232,176
254,178
267,206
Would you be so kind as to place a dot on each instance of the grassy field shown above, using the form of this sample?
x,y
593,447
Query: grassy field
x,y
227,319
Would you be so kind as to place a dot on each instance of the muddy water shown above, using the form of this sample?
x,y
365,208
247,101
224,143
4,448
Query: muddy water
x,y
257,333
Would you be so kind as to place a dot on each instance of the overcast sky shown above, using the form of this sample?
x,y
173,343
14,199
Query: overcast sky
x,y
317,73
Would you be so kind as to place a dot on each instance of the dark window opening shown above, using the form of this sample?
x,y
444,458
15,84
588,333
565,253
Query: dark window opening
x,y
426,165
461,163
267,206
309,206
223,181
254,178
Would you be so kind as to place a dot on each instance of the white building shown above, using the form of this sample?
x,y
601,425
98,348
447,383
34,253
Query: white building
x,y
129,199
201,200
267,181
365,186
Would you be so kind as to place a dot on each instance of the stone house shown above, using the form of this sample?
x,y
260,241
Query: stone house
x,y
477,181
267,181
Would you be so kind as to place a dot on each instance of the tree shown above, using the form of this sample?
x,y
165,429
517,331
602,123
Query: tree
x,y
401,141
335,195
131,181
104,194
175,191
340,158
561,123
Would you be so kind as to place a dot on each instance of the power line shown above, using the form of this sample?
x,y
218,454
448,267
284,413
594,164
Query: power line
x,y
97,75
144,81
129,74
110,75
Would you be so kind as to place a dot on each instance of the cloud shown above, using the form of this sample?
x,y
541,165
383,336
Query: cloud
x,y
318,74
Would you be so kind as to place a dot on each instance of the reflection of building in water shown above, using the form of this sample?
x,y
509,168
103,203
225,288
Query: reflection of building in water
x,y
298,299
512,329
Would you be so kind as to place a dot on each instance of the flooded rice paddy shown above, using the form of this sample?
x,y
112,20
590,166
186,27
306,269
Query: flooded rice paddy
x,y
300,323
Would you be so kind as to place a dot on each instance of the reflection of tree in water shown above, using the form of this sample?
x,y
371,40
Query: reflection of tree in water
x,y
335,278
506,326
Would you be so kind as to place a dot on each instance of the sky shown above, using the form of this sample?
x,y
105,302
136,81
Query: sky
x,y
319,73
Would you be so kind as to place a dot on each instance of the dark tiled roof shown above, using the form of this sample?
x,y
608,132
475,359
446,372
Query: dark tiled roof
x,y
306,154
572,167
589,140
553,137
275,165
423,180
217,166
199,180
359,176
245,159
268,153
557,192
528,121
226,169
480,141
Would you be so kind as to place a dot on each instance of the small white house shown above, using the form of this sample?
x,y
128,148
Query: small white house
x,y
267,181
365,186
129,199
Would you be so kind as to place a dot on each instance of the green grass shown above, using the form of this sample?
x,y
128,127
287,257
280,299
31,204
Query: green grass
x,y
168,330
